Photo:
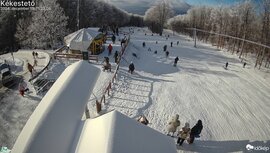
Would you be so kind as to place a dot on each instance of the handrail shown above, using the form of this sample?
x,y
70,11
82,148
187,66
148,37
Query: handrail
x,y
109,86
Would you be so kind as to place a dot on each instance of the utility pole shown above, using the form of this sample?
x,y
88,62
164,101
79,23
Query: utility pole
x,y
194,35
78,15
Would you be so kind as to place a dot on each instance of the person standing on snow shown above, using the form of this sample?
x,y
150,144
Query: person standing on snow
x,y
164,48
173,124
175,61
110,49
113,38
183,134
30,68
226,65
34,55
115,56
167,54
143,44
177,43
171,44
244,64
195,131
131,67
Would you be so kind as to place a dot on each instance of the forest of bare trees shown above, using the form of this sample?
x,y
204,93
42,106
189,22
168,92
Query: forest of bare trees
x,y
245,20
47,28
157,16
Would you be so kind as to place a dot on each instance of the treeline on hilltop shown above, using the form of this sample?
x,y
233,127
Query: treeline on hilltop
x,y
46,28
245,20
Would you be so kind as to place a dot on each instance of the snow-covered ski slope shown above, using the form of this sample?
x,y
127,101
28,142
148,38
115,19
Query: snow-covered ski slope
x,y
233,104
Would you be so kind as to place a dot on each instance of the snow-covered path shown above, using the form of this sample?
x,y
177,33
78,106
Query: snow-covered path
x,y
233,104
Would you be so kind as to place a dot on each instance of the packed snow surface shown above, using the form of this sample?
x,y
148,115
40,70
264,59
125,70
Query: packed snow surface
x,y
233,104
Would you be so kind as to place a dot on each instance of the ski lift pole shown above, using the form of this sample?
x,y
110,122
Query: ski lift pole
x,y
194,35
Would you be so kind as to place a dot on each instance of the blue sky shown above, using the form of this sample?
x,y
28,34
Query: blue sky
x,y
180,6
212,2
216,2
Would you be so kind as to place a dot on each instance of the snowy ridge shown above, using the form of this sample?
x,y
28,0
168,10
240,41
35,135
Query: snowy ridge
x,y
42,132
116,133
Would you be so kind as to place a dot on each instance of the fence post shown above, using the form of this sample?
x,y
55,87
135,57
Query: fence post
x,y
98,106
103,97
87,114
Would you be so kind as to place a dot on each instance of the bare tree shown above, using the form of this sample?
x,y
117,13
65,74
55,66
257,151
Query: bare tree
x,y
159,14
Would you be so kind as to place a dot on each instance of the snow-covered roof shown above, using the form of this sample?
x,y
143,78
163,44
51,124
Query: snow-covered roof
x,y
55,122
117,133
81,39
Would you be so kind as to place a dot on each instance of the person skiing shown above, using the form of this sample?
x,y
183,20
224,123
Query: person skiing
x,y
195,131
177,43
115,56
226,65
131,67
183,134
244,64
143,44
142,119
175,61
167,54
171,44
110,49
173,124
164,48
113,38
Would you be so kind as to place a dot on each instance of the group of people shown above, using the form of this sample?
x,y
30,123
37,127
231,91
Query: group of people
x,y
227,64
35,55
185,133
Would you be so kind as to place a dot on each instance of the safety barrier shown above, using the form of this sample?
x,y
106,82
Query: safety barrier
x,y
109,86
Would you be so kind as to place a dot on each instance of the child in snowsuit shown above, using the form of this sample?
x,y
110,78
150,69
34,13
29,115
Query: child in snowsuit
x,y
131,68
22,88
173,124
195,131
175,61
106,64
110,49
183,134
